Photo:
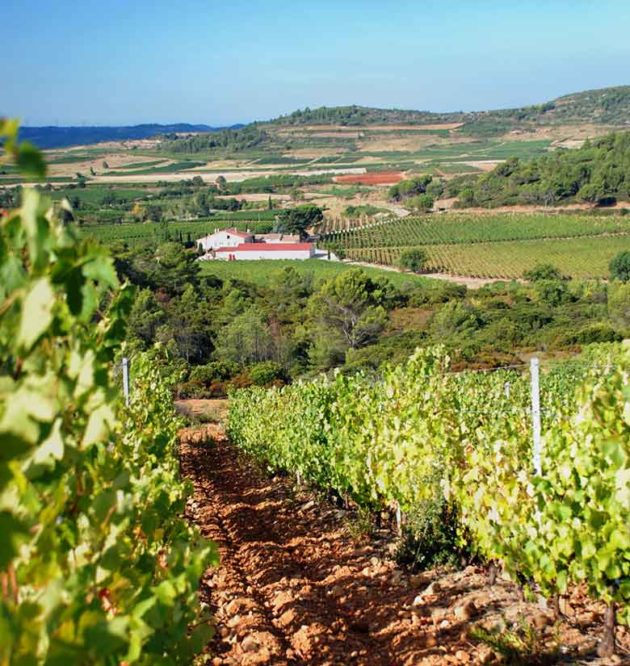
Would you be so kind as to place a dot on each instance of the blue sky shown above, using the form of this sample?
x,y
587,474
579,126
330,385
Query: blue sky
x,y
221,62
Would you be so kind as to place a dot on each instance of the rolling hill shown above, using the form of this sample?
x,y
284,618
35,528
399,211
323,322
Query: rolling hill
x,y
606,106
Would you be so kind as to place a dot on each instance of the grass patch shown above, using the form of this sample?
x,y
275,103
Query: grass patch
x,y
259,272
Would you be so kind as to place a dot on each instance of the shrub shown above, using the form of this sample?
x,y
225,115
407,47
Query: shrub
x,y
265,373
620,267
413,259
543,272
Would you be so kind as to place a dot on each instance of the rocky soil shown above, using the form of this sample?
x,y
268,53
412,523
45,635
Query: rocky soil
x,y
299,584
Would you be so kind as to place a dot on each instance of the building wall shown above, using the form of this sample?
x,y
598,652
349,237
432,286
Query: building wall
x,y
265,254
221,239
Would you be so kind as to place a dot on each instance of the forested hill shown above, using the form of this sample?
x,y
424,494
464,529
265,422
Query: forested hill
x,y
63,137
364,115
606,106
598,172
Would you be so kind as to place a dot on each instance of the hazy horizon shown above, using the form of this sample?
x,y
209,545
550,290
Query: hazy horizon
x,y
217,64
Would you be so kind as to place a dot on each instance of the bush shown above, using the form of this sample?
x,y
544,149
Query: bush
x,y
423,202
413,259
212,372
543,272
620,267
552,292
267,372
593,333
430,537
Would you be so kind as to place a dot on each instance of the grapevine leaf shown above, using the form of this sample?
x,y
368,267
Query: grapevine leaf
x,y
36,313
30,161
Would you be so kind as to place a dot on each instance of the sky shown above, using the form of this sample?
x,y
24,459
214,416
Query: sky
x,y
117,62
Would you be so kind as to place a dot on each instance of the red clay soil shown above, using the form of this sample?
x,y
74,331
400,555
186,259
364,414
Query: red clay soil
x,y
296,585
372,178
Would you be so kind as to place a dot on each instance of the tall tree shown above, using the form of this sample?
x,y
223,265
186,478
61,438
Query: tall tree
x,y
297,220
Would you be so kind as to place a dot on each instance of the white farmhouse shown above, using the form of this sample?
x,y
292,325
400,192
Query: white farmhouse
x,y
224,238
257,251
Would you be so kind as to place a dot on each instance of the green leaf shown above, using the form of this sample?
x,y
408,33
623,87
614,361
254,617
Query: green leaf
x,y
14,532
30,161
37,314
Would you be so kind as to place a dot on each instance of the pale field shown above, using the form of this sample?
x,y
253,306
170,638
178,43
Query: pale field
x,y
313,153
410,143
484,165
210,177
114,160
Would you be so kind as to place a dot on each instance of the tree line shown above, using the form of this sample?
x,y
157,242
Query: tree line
x,y
216,333
598,173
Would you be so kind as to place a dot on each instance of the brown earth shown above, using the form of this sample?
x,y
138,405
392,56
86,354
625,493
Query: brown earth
x,y
374,178
298,584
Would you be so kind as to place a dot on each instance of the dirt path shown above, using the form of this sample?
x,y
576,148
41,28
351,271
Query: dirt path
x,y
470,282
295,587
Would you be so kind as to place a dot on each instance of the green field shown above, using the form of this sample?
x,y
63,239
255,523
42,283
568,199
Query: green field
x,y
467,228
93,194
576,257
258,272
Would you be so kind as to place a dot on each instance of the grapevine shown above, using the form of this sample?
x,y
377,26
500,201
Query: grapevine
x,y
423,431
97,564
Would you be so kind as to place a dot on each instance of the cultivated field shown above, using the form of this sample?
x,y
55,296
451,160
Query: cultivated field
x,y
576,257
466,228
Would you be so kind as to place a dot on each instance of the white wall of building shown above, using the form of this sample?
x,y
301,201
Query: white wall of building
x,y
265,254
223,238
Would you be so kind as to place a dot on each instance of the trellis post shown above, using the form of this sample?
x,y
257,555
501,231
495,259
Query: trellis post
x,y
535,382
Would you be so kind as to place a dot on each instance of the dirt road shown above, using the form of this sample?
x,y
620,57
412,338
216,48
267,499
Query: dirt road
x,y
470,282
297,583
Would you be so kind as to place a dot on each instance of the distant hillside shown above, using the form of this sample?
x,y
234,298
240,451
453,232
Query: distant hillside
x,y
364,115
607,106
598,172
63,137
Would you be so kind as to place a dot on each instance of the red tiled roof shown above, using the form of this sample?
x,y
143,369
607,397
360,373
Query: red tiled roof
x,y
286,247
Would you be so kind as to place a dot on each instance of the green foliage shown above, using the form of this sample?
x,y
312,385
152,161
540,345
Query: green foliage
x,y
358,115
437,443
411,188
422,203
518,646
413,259
350,306
542,272
620,266
468,228
265,373
597,172
552,292
26,157
619,304
297,220
607,106
224,142
575,257
570,524
246,339
97,563
431,536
